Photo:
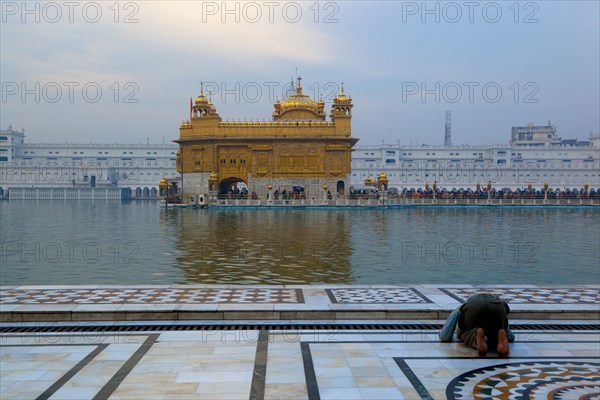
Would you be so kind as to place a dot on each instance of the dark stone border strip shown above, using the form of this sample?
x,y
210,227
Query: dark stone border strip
x,y
425,298
448,293
331,296
73,371
114,382
299,297
257,390
309,372
413,379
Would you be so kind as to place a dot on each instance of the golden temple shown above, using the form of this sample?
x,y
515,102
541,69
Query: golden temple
x,y
298,147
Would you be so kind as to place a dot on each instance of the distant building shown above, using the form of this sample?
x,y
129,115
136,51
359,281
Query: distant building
x,y
534,155
532,135
136,166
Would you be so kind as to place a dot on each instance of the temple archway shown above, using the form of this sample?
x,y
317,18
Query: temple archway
x,y
231,185
341,187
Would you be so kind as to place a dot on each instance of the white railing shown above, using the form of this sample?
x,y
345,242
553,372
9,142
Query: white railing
x,y
64,194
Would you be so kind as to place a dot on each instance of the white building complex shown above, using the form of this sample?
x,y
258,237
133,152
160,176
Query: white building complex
x,y
534,155
138,167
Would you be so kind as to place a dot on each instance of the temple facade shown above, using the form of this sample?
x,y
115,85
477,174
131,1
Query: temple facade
x,y
297,150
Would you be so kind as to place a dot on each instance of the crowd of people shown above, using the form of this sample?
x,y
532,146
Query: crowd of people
x,y
505,193
297,192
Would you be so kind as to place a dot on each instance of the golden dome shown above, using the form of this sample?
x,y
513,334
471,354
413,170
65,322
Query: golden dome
x,y
382,176
342,98
201,99
163,182
298,99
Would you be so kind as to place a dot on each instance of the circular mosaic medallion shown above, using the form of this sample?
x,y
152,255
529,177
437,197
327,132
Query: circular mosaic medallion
x,y
558,380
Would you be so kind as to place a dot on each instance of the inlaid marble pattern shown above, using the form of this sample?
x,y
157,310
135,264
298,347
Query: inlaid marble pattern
x,y
536,295
150,295
377,296
529,380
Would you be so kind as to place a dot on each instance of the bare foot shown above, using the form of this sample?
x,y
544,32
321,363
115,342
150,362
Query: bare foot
x,y
502,348
482,347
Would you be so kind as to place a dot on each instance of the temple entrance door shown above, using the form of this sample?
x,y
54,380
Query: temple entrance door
x,y
340,187
233,186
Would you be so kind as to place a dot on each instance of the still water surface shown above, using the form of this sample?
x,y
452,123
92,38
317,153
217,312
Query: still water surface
x,y
56,243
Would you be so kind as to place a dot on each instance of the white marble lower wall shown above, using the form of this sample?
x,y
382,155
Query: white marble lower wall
x,y
194,184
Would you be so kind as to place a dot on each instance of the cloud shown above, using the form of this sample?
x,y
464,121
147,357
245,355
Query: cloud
x,y
189,27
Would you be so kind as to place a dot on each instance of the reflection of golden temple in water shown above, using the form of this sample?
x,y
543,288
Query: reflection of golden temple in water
x,y
250,246
297,148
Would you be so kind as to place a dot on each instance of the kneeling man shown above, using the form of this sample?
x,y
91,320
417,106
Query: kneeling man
x,y
482,324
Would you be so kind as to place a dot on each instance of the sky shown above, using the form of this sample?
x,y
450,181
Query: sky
x,y
123,72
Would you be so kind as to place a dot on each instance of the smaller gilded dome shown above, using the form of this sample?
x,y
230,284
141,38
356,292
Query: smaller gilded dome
x,y
201,99
163,182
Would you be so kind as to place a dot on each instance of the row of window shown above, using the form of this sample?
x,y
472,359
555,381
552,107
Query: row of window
x,y
81,152
363,175
232,161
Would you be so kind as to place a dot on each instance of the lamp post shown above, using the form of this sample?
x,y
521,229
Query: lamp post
x,y
546,192
434,191
325,194
489,188
162,189
269,194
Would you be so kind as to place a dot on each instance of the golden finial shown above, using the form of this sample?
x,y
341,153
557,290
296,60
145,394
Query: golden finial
x,y
342,93
201,88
